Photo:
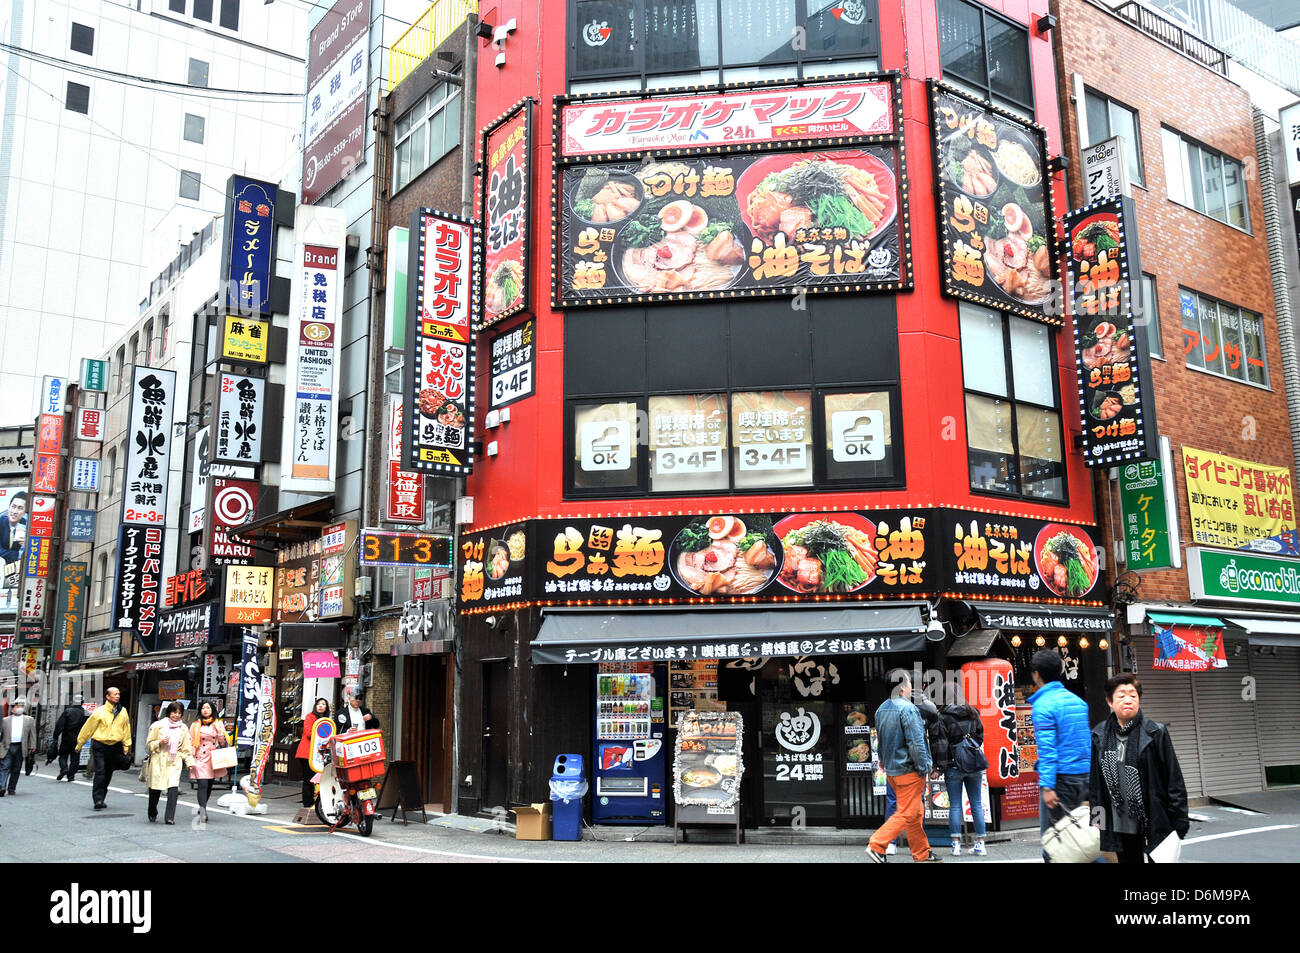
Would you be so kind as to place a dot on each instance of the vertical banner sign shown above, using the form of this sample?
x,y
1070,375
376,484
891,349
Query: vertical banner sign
x,y
337,72
45,474
1105,171
996,225
244,339
1146,525
49,433
395,310
94,375
81,526
70,612
33,600
513,365
507,185
85,474
148,449
1116,404
248,249
90,425
250,688
139,581
337,570
240,403
309,451
40,522
405,495
234,503
53,391
445,266
248,595
1232,502
265,732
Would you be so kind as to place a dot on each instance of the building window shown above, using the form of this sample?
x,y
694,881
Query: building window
x,y
101,571
689,42
1223,339
429,130
1205,180
190,182
985,54
166,331
110,472
1146,316
148,344
765,400
135,349
176,6
83,39
121,368
198,72
1013,422
1103,118
230,14
394,586
78,98
194,128
203,10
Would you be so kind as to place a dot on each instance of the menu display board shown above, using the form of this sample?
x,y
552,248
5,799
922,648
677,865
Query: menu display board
x,y
445,268
1115,399
996,226
1024,558
709,761
493,566
1025,740
693,685
507,185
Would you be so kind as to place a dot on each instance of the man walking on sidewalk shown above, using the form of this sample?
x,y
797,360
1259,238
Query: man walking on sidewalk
x,y
109,732
64,742
18,730
1064,741
906,759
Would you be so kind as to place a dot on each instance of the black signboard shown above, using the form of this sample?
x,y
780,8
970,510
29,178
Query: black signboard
x,y
996,227
138,589
513,361
1116,402
1037,618
1019,558
185,628
507,201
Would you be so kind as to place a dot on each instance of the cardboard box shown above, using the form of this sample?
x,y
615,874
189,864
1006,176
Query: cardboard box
x,y
533,822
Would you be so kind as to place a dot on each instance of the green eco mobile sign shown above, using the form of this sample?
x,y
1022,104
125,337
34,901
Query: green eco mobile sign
x,y
1146,524
1243,577
94,375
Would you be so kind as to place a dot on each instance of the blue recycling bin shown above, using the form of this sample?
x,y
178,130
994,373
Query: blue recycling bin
x,y
568,788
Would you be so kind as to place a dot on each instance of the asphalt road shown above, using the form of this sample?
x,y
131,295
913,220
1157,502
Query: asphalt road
x,y
52,822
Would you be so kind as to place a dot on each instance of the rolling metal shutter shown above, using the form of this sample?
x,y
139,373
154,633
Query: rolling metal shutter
x,y
1167,697
1277,705
1226,728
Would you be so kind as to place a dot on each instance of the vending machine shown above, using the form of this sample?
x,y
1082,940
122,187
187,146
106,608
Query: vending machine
x,y
631,753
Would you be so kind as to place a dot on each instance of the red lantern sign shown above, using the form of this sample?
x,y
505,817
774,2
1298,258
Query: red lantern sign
x,y
990,688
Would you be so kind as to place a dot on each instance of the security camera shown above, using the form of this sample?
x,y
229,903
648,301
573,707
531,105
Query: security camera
x,y
935,631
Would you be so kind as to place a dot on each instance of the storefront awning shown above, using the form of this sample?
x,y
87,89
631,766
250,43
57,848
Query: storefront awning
x,y
1283,632
300,522
974,644
1039,618
1184,618
432,647
162,662
650,635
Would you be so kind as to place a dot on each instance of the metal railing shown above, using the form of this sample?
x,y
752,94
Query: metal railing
x,y
1172,35
1254,44
424,36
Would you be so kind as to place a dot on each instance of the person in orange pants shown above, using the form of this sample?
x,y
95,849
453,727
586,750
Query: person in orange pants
x,y
905,756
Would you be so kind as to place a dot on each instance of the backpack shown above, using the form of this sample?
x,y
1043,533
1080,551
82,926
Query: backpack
x,y
969,756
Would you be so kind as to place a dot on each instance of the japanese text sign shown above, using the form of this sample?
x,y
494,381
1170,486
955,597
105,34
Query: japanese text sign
x,y
1232,502
1105,171
249,245
54,392
70,611
81,526
1146,524
85,475
245,340
337,569
405,495
997,231
90,425
33,598
1187,648
1115,400
248,595
240,404
440,343
149,445
45,475
138,596
49,433
94,375
513,363
40,519
507,201
1023,558
186,588
36,558
297,582
337,73
234,503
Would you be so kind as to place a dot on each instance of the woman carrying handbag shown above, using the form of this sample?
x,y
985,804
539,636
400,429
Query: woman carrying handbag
x,y
207,736
169,748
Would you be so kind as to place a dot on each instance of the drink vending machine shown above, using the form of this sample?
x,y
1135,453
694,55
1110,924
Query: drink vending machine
x,y
631,752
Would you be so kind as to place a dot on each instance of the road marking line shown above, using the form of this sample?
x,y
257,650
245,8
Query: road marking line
x,y
1253,830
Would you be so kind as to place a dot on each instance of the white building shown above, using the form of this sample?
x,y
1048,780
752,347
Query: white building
x,y
122,121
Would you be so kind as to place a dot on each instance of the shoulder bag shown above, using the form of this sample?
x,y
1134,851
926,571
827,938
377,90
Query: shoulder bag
x,y
969,756
1072,839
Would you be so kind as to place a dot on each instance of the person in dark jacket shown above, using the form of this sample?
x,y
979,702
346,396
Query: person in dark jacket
x,y
355,716
962,722
1135,786
1064,741
64,741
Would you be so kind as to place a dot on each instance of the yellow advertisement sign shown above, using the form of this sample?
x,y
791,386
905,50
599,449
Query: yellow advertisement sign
x,y
245,339
1233,502
249,592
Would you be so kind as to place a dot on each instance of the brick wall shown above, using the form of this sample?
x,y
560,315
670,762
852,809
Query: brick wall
x,y
380,694
1180,246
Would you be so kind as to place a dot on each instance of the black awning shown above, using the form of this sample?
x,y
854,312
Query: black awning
x,y
304,521
659,635
310,635
974,644
1040,618
157,661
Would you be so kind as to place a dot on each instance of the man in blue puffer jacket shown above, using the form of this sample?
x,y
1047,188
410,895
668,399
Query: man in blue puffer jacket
x,y
1064,740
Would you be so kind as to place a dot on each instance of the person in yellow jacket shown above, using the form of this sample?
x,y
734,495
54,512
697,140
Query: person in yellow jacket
x,y
109,732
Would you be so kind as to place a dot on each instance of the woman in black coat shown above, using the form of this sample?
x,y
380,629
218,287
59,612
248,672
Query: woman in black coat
x,y
1135,778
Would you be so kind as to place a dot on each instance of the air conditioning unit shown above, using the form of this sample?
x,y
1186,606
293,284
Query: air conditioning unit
x,y
361,587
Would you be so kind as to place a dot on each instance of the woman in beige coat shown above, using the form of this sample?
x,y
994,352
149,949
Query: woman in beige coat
x,y
169,747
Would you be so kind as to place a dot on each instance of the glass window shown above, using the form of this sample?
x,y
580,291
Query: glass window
x,y
198,73
1106,118
1252,333
772,434
1146,315
1224,339
230,14
176,6
166,331
121,368
203,10
859,436
194,128
148,344
101,570
1205,180
1213,183
78,98
680,35
758,31
605,445
831,32
606,39
190,182
83,39
1013,446
426,133
109,472
1191,329
688,443
1175,178
985,54
1234,191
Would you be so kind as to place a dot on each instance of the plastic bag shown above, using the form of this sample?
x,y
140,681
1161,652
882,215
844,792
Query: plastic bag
x,y
568,789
